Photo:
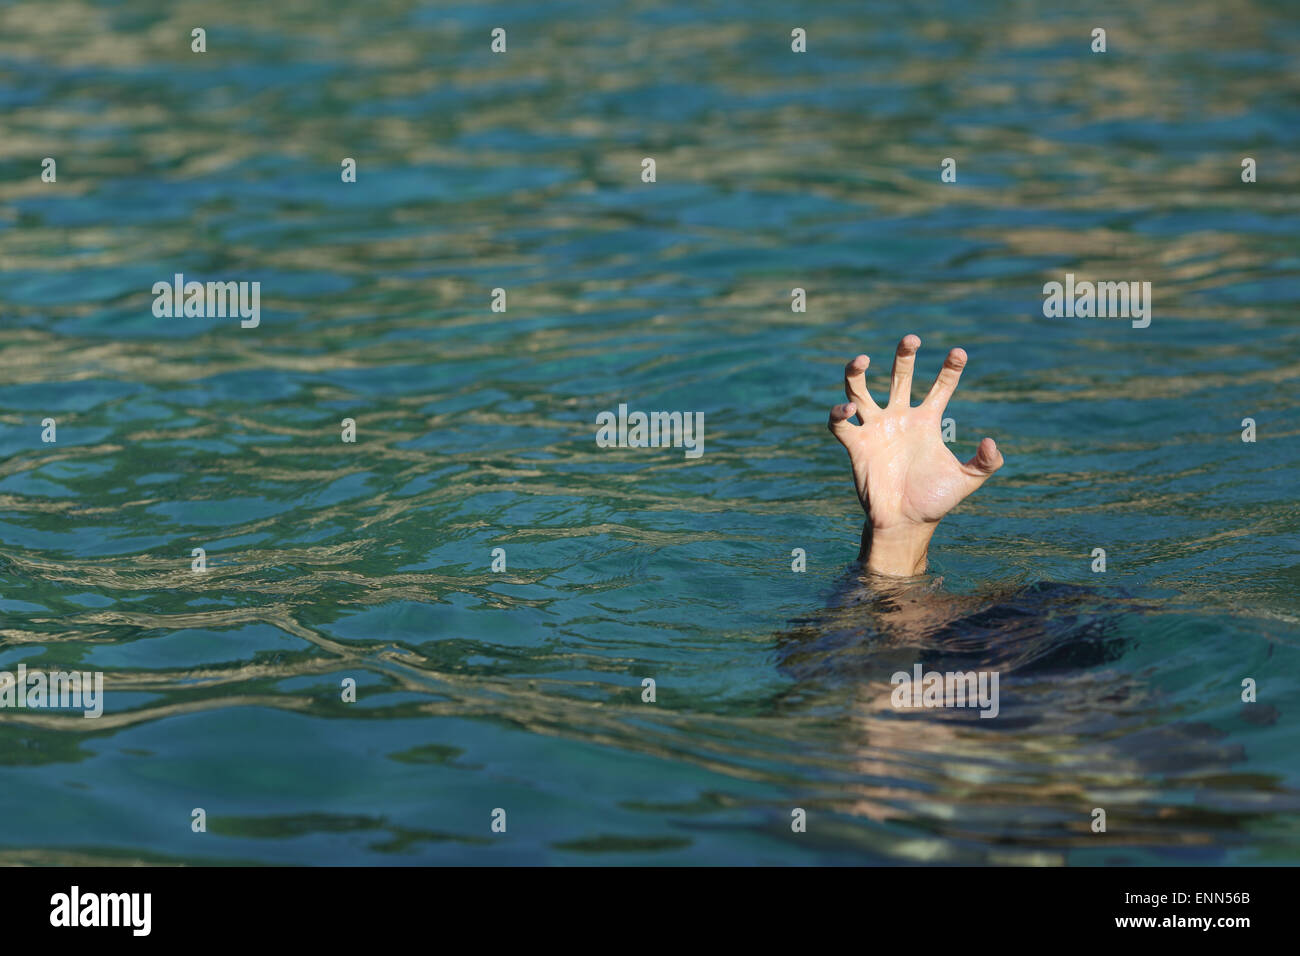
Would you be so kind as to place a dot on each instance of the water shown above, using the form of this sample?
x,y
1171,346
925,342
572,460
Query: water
x,y
521,690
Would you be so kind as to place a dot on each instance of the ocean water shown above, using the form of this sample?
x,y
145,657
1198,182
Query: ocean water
x,y
521,689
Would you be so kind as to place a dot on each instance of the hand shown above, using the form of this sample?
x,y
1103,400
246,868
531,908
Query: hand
x,y
906,477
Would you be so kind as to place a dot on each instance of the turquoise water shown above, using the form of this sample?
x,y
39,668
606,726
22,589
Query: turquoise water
x,y
521,689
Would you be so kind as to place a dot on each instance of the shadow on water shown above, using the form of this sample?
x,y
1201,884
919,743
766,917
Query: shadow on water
x,y
1075,727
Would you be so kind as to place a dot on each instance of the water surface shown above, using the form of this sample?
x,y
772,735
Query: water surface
x,y
522,689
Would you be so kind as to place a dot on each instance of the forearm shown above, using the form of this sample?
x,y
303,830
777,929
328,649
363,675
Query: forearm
x,y
900,552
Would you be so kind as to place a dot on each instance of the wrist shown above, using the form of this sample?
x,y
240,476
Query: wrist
x,y
900,551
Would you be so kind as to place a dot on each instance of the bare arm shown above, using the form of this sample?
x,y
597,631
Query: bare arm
x,y
906,477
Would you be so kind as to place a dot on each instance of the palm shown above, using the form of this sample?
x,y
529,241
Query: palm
x,y
904,473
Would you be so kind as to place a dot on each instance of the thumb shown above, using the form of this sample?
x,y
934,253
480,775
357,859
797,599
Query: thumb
x,y
987,460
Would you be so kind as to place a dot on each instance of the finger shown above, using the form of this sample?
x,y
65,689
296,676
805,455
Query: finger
x,y
987,460
855,384
900,387
947,381
839,424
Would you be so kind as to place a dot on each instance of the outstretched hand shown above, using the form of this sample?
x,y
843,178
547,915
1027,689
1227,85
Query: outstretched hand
x,y
906,477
